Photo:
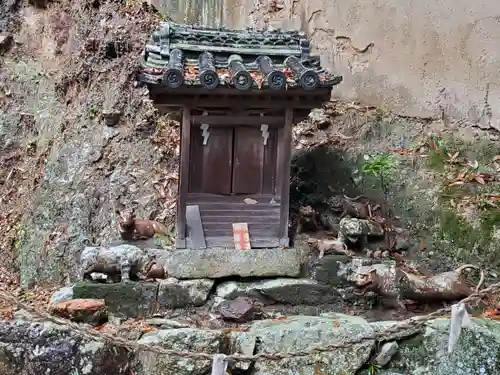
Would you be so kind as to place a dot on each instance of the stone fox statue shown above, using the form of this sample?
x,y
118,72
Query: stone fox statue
x,y
132,229
125,261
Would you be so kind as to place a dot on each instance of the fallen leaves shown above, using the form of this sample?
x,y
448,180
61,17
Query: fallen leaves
x,y
491,313
403,151
453,159
467,176
421,244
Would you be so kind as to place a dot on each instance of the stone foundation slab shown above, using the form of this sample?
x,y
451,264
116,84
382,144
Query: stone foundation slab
x,y
215,263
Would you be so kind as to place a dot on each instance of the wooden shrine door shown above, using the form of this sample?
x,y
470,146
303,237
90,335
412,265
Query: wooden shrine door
x,y
233,160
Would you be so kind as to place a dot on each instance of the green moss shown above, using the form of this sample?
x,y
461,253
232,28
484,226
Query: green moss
x,y
125,299
490,220
467,243
436,160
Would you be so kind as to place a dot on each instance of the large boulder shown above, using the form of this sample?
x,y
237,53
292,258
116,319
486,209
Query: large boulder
x,y
302,333
477,351
190,339
46,348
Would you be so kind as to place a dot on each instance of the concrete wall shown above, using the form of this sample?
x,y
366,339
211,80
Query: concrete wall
x,y
419,58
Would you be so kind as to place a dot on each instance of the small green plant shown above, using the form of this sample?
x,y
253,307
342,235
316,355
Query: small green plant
x,y
372,369
165,17
380,114
381,166
20,233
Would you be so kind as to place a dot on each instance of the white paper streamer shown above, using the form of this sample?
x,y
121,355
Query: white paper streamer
x,y
219,365
459,319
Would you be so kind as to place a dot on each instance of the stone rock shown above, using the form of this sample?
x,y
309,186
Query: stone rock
x,y
173,293
111,117
63,294
91,311
242,343
46,348
380,327
338,271
285,291
241,309
331,269
125,299
353,228
477,350
26,316
305,332
5,42
330,221
388,350
196,340
402,241
319,118
215,263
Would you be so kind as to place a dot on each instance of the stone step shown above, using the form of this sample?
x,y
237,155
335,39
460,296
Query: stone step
x,y
144,300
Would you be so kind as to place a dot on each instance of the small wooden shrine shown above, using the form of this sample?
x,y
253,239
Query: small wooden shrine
x,y
240,93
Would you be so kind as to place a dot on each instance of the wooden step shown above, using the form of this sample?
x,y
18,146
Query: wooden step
x,y
217,206
229,226
222,232
270,219
228,242
197,198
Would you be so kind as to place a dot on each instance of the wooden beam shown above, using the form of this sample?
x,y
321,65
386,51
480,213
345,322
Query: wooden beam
x,y
224,91
284,163
183,178
237,120
239,102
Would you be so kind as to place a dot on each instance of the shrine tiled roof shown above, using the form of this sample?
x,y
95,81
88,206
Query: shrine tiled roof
x,y
187,56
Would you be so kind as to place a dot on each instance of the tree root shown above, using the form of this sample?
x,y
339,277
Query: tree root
x,y
395,283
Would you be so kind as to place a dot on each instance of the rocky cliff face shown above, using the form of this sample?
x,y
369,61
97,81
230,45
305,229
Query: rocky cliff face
x,y
64,171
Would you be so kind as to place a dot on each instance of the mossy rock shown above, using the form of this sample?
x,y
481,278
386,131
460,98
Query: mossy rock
x,y
124,300
477,351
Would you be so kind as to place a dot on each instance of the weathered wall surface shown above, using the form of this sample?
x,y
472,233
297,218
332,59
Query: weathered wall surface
x,y
418,58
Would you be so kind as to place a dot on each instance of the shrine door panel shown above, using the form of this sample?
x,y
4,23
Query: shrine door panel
x,y
254,165
211,164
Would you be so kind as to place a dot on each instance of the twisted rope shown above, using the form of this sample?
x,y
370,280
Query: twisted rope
x,y
410,326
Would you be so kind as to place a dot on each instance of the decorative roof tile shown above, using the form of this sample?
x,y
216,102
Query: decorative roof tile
x,y
180,55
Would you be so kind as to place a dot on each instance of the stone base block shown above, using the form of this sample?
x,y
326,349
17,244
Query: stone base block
x,y
282,291
124,300
173,293
142,300
215,263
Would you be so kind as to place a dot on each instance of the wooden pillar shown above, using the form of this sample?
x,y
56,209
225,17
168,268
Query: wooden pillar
x,y
284,164
183,178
